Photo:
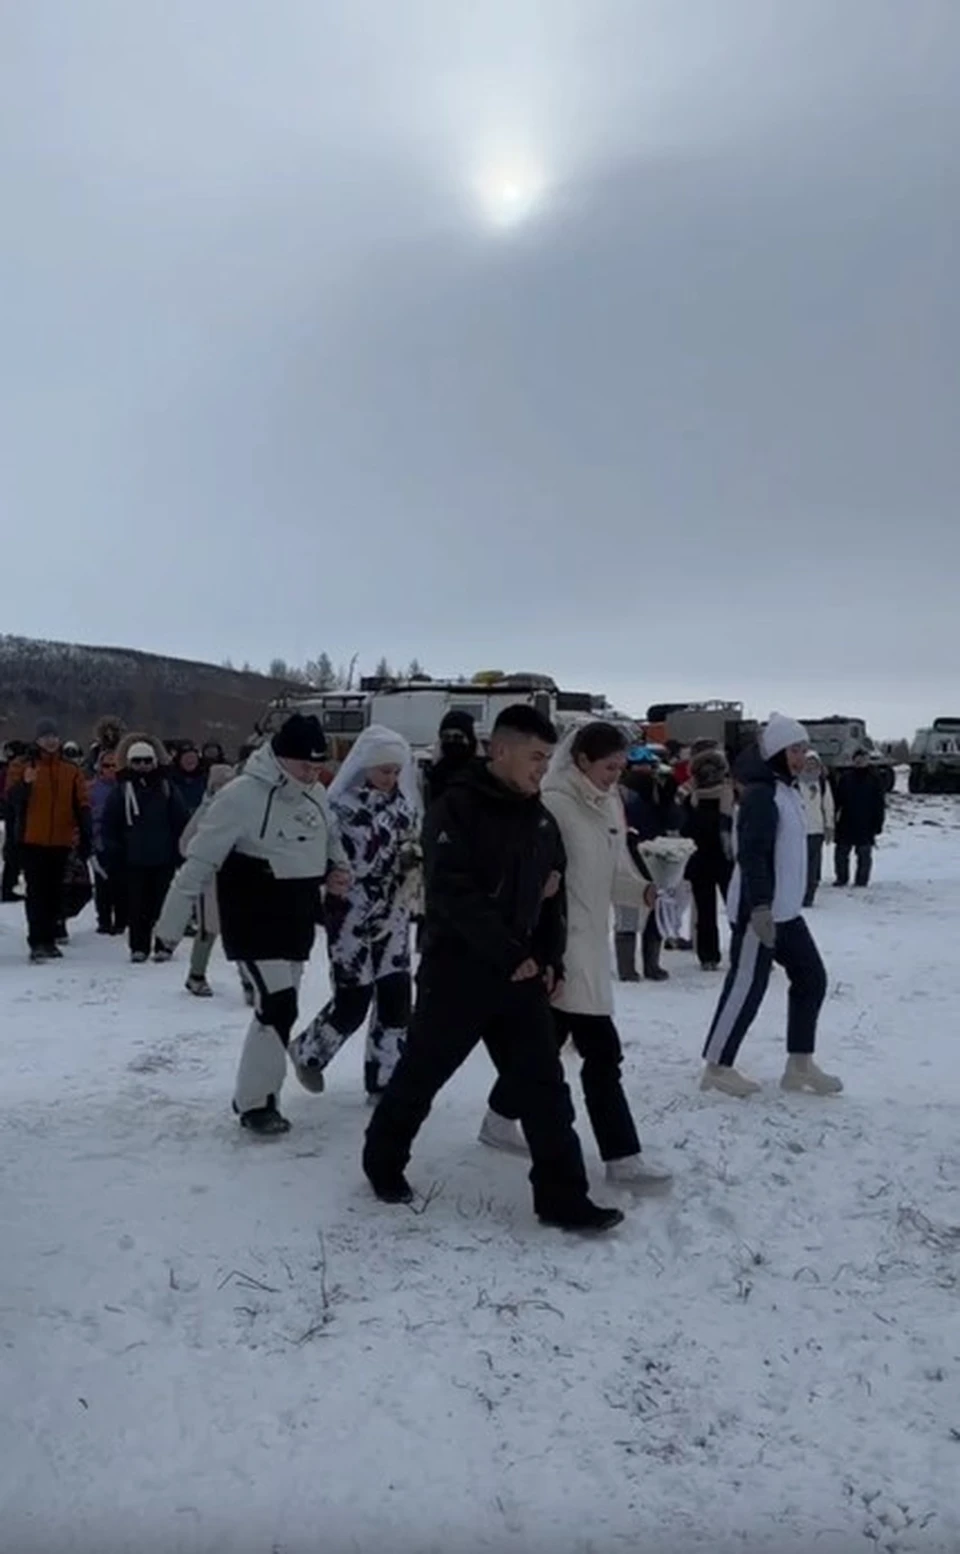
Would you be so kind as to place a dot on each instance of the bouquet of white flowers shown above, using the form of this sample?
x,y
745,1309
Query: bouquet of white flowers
x,y
665,859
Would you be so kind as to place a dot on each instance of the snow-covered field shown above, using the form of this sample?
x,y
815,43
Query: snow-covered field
x,y
210,1343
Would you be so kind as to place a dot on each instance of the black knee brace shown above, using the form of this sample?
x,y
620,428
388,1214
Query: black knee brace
x,y
279,1011
393,1000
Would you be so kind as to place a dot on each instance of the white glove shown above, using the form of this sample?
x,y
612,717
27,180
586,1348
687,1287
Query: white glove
x,y
763,925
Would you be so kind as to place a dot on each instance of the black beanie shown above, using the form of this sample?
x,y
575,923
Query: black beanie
x,y
301,739
457,722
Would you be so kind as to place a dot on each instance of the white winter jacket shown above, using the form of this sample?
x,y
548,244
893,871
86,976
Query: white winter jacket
x,y
818,805
264,814
599,874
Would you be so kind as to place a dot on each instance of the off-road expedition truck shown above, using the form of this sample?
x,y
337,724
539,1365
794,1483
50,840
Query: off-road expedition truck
x,y
415,708
935,758
835,740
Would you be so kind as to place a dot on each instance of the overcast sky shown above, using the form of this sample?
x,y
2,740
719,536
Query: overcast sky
x,y
617,339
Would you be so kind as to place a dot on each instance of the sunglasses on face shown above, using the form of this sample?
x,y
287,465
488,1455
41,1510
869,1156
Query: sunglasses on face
x,y
142,760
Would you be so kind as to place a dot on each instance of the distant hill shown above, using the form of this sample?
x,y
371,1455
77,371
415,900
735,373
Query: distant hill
x,y
170,697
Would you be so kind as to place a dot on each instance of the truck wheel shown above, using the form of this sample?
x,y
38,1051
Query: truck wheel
x,y
888,778
915,783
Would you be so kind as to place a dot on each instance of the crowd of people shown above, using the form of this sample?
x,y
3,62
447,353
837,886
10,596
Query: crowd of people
x,y
503,865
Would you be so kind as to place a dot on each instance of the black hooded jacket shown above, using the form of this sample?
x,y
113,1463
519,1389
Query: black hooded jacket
x,y
442,772
488,852
143,820
453,757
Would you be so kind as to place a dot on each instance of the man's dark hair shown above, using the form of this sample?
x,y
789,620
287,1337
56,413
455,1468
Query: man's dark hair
x,y
527,722
597,741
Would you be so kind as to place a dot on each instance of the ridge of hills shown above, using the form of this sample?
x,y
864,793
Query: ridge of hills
x,y
170,697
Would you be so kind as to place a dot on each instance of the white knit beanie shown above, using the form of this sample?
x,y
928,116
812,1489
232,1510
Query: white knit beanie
x,y
780,733
141,751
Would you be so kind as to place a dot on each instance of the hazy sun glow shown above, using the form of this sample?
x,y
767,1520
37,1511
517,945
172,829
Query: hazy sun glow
x,y
508,193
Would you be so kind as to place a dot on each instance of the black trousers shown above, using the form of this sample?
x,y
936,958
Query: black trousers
x,y
146,891
651,943
12,868
598,1044
459,1004
110,900
44,869
708,876
814,868
747,980
841,862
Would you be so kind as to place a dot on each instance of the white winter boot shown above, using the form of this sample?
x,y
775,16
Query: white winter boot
x,y
729,1081
638,1174
502,1133
802,1073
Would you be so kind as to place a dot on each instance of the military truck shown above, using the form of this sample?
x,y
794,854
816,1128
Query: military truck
x,y
935,758
835,739
722,722
415,708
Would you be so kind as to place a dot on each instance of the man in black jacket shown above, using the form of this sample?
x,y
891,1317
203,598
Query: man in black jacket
x,y
458,747
861,812
492,956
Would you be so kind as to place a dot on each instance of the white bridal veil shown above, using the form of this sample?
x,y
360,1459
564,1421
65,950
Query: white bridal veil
x,y
377,746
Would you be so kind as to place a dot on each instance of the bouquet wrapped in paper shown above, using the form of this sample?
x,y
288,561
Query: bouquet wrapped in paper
x,y
665,859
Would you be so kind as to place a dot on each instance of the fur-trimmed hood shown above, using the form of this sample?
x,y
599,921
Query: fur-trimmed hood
x,y
709,769
110,720
128,740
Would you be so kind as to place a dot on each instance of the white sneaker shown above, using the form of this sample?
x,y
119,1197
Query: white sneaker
x,y
637,1173
729,1081
502,1133
802,1073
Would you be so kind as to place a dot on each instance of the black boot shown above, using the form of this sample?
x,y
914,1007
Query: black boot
x,y
265,1121
625,949
585,1218
391,1189
388,1182
652,969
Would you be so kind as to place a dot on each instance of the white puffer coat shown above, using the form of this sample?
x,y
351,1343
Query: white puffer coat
x,y
599,874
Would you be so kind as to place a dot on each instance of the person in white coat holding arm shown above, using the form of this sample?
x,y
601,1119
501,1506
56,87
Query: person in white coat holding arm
x,y
269,842
765,905
581,792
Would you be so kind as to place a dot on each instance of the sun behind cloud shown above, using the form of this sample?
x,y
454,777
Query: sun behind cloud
x,y
509,191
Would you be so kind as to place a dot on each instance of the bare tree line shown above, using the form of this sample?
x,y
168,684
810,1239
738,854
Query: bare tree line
x,y
322,674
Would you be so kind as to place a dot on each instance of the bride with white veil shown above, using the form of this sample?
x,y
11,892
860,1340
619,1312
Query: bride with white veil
x,y
581,792
375,801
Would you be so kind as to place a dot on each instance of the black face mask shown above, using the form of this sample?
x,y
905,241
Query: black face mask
x,y
455,750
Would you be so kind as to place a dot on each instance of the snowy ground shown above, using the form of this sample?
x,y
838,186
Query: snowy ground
x,y
210,1343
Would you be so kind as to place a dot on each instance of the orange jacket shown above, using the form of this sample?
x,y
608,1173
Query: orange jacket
x,y
55,803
